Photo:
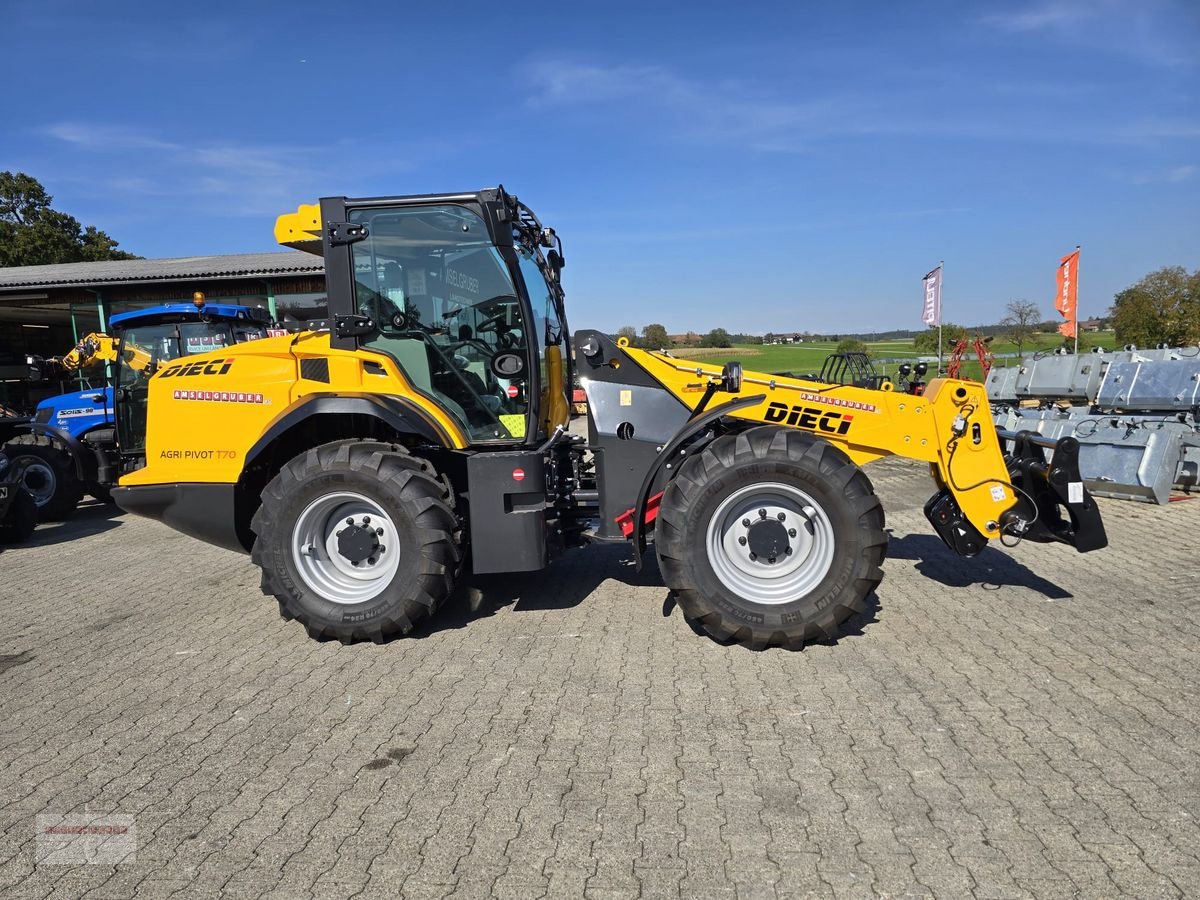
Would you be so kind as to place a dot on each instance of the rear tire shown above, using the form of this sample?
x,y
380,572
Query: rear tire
x,y
819,546
322,521
48,473
20,519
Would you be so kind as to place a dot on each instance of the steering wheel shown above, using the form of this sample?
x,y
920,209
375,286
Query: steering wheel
x,y
492,323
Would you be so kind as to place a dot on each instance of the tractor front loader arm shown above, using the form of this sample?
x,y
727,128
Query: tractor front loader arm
x,y
93,348
989,484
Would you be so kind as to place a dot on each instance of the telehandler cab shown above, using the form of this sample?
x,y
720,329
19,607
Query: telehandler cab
x,y
423,435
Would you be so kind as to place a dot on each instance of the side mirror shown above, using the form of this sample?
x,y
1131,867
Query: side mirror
x,y
731,377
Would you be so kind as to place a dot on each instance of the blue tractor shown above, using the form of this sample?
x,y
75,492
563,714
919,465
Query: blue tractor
x,y
139,342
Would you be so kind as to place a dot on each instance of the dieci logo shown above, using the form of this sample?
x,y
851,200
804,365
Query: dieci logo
x,y
216,367
808,418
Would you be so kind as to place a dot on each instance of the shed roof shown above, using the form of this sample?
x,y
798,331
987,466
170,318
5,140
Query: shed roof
x,y
183,268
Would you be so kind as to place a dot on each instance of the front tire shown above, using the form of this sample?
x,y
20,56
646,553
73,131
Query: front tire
x,y
48,473
771,537
357,540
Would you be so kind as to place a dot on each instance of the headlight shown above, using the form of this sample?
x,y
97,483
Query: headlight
x,y
43,415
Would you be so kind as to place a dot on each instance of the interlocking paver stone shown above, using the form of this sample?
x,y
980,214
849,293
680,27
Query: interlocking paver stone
x,y
1021,724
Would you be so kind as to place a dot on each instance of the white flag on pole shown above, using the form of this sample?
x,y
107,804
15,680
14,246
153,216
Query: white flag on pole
x,y
932,313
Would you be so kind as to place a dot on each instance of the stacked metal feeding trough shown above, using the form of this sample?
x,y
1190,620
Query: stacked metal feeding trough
x,y
1135,413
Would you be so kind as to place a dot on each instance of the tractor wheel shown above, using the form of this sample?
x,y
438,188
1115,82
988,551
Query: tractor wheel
x,y
771,537
21,518
357,540
47,472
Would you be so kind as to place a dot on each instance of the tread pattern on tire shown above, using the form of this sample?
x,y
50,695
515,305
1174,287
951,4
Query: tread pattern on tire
x,y
20,519
68,490
675,531
428,502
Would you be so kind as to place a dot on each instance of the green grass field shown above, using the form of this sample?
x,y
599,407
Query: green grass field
x,y
805,358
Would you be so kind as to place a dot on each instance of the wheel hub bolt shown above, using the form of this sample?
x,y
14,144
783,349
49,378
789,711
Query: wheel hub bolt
x,y
370,560
771,560
791,533
780,516
746,523
742,541
753,556
350,521
762,513
366,520
787,551
379,531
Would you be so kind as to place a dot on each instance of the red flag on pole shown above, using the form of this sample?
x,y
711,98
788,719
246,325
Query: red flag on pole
x,y
1066,301
932,312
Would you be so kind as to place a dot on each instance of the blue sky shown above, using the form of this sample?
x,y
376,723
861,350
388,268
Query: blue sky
x,y
755,166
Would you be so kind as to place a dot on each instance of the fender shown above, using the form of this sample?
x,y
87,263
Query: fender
x,y
73,446
694,427
399,413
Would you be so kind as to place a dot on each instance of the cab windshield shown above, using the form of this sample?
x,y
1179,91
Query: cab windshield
x,y
447,312
144,348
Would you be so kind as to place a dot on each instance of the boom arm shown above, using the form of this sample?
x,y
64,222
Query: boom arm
x,y
984,492
96,348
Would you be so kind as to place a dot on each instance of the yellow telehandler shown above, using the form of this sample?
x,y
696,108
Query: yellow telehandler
x,y
423,435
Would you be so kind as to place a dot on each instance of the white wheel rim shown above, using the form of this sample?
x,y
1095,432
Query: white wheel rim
x,y
319,547
784,519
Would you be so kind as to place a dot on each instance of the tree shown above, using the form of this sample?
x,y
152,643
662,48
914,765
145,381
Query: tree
x,y
927,341
654,337
852,345
718,337
1163,306
34,234
629,332
1021,322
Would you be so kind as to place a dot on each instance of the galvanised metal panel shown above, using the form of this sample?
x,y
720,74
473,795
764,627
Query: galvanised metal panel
x,y
1001,384
1061,376
1170,384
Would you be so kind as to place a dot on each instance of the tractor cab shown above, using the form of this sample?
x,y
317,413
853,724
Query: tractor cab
x,y
148,339
457,291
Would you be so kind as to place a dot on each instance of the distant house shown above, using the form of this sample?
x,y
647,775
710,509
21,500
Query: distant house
x,y
1094,324
691,339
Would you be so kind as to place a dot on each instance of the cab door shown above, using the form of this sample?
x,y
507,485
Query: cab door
x,y
551,343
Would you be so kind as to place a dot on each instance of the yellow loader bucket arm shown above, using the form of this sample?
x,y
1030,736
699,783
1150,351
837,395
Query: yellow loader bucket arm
x,y
94,348
984,492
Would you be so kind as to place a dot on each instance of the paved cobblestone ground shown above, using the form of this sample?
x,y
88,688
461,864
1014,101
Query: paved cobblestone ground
x,y
1023,724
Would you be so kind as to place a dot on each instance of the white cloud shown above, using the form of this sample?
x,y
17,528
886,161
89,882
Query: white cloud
x,y
235,178
1054,14
660,101
1166,175
1155,32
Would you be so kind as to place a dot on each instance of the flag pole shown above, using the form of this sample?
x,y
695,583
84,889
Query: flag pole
x,y
941,284
1077,301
